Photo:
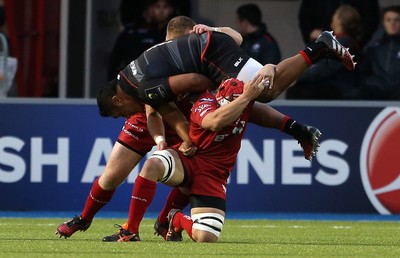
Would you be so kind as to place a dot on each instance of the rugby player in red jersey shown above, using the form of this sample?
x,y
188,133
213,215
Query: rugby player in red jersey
x,y
216,130
137,138
135,141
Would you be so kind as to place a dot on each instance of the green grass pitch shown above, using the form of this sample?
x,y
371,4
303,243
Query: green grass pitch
x,y
34,237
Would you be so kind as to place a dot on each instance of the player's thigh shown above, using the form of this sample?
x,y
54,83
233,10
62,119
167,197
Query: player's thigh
x,y
121,162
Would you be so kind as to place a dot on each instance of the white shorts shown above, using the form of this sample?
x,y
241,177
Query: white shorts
x,y
250,68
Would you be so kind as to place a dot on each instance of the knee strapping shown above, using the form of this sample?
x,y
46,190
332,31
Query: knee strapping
x,y
210,222
168,161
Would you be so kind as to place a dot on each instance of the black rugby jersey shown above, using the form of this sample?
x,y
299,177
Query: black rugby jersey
x,y
215,55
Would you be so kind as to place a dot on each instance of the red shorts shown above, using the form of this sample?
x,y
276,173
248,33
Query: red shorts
x,y
205,178
136,137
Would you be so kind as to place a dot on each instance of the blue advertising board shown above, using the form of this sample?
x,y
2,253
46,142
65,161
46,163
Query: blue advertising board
x,y
52,151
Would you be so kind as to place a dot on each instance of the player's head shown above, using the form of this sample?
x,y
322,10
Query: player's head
x,y
228,91
179,26
112,101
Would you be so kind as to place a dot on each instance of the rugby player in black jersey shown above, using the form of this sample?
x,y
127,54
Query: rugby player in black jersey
x,y
197,62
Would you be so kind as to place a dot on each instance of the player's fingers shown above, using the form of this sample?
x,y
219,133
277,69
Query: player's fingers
x,y
259,82
162,145
267,83
271,82
191,152
196,29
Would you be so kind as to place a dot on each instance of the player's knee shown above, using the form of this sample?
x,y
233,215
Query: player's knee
x,y
207,227
164,162
200,236
152,169
110,181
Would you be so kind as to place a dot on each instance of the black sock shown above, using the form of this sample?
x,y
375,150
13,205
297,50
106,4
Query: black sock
x,y
315,52
292,127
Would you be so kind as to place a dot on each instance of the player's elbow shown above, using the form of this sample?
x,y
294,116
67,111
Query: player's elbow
x,y
214,125
239,39
214,128
201,82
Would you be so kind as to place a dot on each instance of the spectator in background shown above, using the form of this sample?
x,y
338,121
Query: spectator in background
x,y
257,41
144,26
161,12
379,70
182,7
328,79
315,17
135,37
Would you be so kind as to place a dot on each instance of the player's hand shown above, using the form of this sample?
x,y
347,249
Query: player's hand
x,y
187,149
254,87
268,73
161,142
162,145
201,28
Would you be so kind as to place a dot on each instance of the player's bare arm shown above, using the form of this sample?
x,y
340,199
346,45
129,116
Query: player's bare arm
x,y
156,128
227,114
177,121
201,28
182,84
189,82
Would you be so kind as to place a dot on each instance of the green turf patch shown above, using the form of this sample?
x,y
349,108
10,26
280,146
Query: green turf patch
x,y
22,237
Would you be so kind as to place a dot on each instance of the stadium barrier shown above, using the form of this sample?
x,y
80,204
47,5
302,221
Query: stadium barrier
x,y
52,150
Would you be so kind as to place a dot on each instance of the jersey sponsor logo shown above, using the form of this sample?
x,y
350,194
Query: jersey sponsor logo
x,y
133,67
239,127
380,163
207,99
132,127
237,63
220,137
202,107
128,132
154,92
152,95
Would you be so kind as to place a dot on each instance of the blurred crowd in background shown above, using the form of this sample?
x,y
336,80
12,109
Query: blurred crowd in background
x,y
374,39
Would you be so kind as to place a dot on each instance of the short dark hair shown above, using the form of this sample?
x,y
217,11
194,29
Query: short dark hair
x,y
179,24
104,97
250,13
391,8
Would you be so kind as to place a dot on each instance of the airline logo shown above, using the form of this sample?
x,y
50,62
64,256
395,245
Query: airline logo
x,y
380,161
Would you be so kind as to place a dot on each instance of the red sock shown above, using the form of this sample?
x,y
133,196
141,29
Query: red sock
x,y
305,56
142,195
96,200
283,125
175,200
182,221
